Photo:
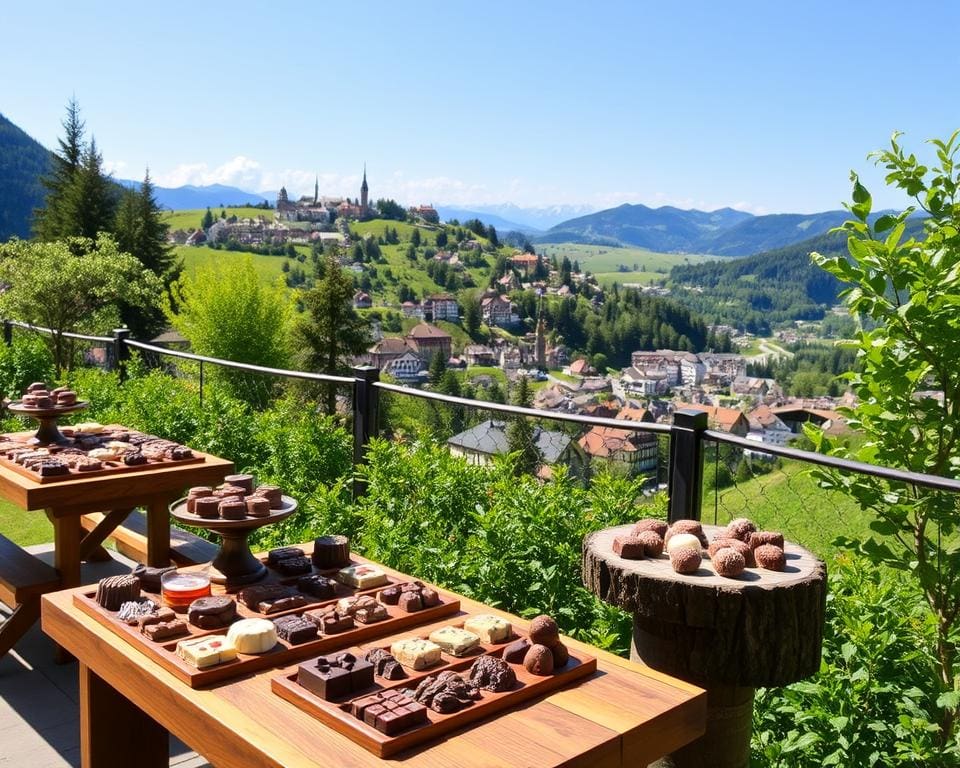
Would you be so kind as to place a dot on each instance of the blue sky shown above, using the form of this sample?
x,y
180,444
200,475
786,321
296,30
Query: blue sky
x,y
759,105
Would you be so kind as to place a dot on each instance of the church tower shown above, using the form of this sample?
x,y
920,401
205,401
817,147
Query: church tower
x,y
363,193
316,190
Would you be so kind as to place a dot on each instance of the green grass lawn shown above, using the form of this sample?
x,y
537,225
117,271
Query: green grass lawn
x,y
22,527
788,500
602,259
268,267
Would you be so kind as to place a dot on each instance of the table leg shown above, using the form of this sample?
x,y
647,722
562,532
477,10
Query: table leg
x,y
115,733
90,545
158,533
66,548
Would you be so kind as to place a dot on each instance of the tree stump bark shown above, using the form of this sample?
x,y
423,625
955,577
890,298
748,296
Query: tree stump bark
x,y
729,636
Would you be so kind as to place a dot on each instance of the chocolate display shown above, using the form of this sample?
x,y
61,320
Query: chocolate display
x,y
489,628
390,712
493,674
446,692
331,552
336,676
385,664
252,635
213,612
538,660
628,547
293,566
685,560
416,653
283,553
363,608
329,621
728,562
114,591
295,629
770,557
455,641
203,652
317,586
409,597
744,549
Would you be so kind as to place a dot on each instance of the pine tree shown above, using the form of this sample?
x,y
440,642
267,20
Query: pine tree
x,y
207,221
472,316
90,200
49,221
438,367
331,331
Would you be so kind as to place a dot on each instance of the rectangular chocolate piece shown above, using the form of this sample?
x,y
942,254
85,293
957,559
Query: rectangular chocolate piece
x,y
282,604
253,596
317,586
293,566
295,630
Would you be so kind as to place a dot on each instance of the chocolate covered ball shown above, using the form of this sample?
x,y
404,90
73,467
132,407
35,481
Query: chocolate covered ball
x,y
692,527
659,527
759,538
770,557
740,528
560,655
544,631
728,562
652,543
685,560
735,544
683,541
539,660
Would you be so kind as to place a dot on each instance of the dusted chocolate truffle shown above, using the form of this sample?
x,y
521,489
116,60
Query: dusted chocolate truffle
x,y
735,544
693,527
659,527
770,557
728,562
759,538
652,543
560,655
493,674
544,631
539,660
740,528
685,560
628,547
683,541
515,652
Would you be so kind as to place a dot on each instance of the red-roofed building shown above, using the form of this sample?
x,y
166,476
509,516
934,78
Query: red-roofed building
x,y
428,340
725,419
625,450
526,263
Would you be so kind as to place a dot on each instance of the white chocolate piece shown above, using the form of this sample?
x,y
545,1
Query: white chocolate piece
x,y
88,428
104,454
490,629
362,576
455,641
683,541
208,651
252,635
416,653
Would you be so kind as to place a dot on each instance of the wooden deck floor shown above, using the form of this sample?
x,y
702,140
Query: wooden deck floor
x,y
39,711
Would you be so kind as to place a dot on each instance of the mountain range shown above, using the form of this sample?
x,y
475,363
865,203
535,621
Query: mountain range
x,y
724,232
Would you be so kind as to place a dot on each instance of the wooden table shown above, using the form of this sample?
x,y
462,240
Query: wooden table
x,y
65,501
730,635
623,715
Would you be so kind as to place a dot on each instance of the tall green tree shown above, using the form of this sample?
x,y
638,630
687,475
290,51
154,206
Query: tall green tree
x,y
141,231
438,367
90,200
909,288
521,434
472,316
331,331
50,221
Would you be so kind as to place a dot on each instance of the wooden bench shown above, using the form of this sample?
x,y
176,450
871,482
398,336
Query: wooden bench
x,y
23,578
130,538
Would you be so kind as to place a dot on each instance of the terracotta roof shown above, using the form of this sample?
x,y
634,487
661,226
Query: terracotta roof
x,y
725,418
634,414
390,345
524,257
427,331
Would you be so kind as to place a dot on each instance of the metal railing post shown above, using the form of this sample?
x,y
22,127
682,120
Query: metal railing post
x,y
120,351
366,402
686,464
7,332
201,384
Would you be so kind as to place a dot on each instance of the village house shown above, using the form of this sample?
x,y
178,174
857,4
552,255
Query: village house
x,y
480,444
767,427
441,306
387,350
627,450
724,367
580,367
510,359
557,356
753,387
479,354
729,420
428,340
362,300
525,263
636,383
426,212
408,368
411,309
495,310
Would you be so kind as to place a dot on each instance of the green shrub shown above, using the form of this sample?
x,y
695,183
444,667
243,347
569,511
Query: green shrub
x,y
27,360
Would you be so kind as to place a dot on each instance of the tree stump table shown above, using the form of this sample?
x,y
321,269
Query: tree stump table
x,y
728,636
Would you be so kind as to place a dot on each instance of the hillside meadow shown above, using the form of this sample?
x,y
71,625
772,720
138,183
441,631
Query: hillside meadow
x,y
622,265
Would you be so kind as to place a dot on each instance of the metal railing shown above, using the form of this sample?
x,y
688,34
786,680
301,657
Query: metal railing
x,y
688,434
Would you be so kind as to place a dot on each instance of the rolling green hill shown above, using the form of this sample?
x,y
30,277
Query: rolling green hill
x,y
621,265
22,162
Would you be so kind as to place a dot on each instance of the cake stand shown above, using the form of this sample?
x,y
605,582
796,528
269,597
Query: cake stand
x,y
48,434
234,564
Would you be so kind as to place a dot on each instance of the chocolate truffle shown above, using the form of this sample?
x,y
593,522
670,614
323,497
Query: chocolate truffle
x,y
685,560
728,562
544,631
515,652
493,674
735,544
683,541
770,557
652,543
740,528
628,547
385,664
659,527
560,655
692,527
410,602
390,595
539,660
759,538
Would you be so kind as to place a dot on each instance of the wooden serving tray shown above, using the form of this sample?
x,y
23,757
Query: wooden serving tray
x,y
336,714
164,652
109,468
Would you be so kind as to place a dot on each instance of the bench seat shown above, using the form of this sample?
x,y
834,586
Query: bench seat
x,y
130,538
23,578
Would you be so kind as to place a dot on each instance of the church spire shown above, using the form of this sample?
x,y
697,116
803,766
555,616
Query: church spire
x,y
316,189
363,192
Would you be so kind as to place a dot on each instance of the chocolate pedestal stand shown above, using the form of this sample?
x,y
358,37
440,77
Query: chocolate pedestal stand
x,y
729,636
234,564
47,434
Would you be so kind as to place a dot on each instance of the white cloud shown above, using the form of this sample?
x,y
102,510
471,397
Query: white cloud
x,y
115,168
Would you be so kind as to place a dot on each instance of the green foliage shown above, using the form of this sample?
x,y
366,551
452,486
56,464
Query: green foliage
x,y
23,162
910,289
72,285
874,700
228,313
27,360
